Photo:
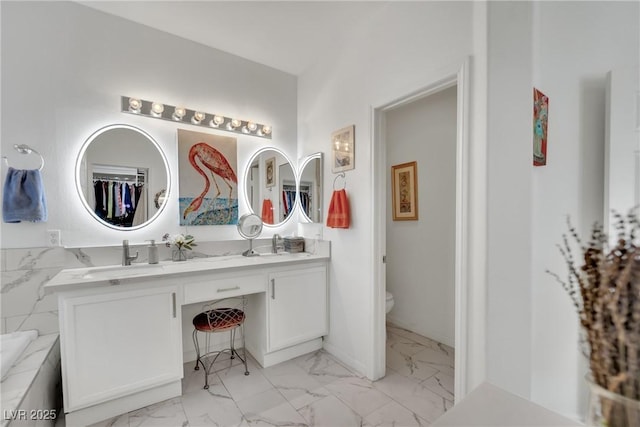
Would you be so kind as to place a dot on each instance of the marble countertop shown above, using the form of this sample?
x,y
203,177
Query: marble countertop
x,y
24,372
79,278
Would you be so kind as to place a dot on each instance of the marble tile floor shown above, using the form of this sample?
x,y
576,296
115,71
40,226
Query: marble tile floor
x,y
313,390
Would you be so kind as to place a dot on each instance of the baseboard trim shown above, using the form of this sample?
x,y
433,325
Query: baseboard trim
x,y
114,407
400,324
346,359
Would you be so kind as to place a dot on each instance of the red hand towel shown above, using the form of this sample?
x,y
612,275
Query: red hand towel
x,y
339,216
267,211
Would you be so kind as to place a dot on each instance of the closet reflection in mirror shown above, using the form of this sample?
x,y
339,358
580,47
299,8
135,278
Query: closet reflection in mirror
x,y
271,186
310,190
119,169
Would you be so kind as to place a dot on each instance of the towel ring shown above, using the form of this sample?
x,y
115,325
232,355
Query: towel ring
x,y
341,174
25,149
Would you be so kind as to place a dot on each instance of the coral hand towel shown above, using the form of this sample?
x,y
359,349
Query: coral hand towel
x,y
267,211
339,216
23,197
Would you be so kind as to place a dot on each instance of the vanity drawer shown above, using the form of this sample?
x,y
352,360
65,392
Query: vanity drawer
x,y
219,288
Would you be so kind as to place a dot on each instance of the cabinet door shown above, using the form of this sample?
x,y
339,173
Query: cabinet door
x,y
118,343
297,306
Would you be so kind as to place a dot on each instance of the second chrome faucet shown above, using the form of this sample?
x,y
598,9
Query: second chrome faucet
x,y
274,243
126,257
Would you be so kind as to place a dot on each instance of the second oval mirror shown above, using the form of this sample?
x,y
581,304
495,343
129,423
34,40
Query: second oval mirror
x,y
118,170
310,187
270,186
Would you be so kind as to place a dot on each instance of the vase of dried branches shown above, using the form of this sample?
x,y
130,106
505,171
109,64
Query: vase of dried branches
x,y
608,409
604,285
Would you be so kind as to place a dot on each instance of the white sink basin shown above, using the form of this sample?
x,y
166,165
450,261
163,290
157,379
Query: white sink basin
x,y
120,271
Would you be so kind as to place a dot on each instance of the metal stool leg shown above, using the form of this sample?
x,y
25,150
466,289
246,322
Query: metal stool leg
x,y
244,350
195,344
199,359
232,335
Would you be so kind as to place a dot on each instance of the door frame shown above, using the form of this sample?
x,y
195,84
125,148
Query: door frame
x,y
455,76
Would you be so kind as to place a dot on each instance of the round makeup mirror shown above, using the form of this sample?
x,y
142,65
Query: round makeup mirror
x,y
118,170
250,227
310,187
270,186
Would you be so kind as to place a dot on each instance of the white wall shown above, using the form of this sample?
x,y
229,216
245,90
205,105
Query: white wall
x,y
64,68
396,49
622,145
420,254
509,195
576,43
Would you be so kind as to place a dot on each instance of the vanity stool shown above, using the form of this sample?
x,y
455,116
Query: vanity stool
x,y
225,315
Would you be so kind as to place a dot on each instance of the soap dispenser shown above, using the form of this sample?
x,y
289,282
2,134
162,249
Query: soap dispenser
x,y
153,252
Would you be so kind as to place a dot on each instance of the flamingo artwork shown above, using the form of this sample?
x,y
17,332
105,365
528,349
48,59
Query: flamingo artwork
x,y
217,165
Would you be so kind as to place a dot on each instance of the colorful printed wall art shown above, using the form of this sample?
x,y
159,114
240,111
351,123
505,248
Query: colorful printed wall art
x,y
208,180
540,118
404,189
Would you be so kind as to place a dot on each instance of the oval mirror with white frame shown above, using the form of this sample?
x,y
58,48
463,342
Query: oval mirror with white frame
x,y
310,187
118,171
270,186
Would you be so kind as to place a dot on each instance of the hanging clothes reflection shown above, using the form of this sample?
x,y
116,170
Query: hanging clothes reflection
x,y
119,202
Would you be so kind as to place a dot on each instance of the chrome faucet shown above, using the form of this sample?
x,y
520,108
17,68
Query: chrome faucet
x,y
126,258
274,243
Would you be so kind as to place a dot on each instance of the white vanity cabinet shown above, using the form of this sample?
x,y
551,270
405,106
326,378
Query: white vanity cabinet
x,y
122,329
118,341
296,306
291,317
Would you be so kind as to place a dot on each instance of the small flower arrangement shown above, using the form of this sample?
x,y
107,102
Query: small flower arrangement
x,y
180,241
604,284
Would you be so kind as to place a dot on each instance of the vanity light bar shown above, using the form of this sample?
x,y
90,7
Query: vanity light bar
x,y
181,114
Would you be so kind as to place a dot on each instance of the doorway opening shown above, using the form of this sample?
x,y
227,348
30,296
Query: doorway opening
x,y
457,79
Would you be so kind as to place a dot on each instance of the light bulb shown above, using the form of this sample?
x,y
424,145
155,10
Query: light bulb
x,y
134,105
266,129
218,120
156,109
235,123
252,126
179,113
198,116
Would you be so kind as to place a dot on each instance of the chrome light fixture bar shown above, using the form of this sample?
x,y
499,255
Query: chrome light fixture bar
x,y
180,114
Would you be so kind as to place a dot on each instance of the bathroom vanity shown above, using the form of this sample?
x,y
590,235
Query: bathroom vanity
x,y
121,327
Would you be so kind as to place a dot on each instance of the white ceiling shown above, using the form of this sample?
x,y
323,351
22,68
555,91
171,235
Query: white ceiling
x,y
286,35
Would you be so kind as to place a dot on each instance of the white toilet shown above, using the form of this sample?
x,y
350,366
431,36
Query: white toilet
x,y
389,302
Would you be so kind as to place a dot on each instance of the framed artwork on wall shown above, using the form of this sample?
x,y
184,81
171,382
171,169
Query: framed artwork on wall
x,y
207,163
270,172
404,189
342,149
540,118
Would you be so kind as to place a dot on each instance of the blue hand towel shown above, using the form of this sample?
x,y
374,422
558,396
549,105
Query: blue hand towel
x,y
23,197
